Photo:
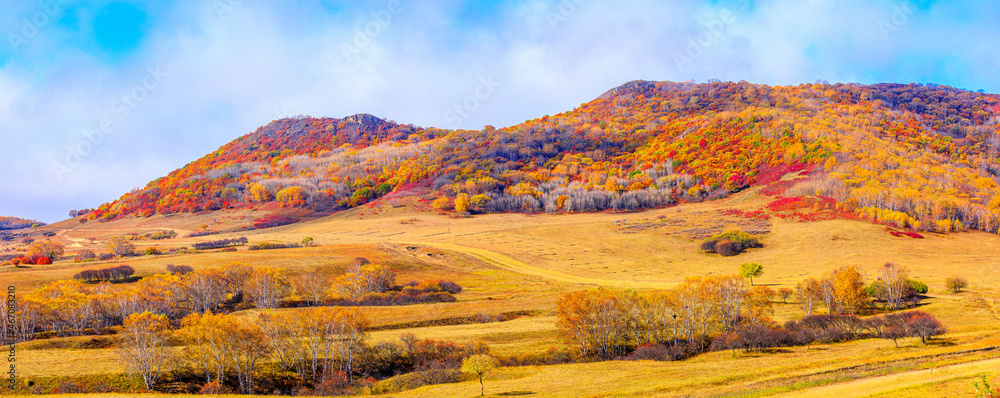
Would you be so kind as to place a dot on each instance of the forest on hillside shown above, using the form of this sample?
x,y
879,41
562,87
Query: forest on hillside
x,y
916,156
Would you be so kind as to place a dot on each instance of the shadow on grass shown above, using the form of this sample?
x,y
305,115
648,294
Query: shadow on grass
x,y
941,342
515,393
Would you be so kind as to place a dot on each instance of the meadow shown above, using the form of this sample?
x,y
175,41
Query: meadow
x,y
523,263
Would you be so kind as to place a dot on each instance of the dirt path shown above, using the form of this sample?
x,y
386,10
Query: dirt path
x,y
880,384
511,264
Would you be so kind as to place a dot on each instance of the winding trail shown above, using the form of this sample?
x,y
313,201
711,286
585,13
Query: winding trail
x,y
510,264
870,386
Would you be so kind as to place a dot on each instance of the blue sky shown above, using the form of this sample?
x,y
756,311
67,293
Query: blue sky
x,y
121,92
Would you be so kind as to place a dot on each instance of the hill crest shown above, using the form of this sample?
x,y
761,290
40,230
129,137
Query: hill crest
x,y
642,144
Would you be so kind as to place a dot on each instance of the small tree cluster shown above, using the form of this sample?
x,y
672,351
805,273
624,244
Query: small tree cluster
x,y
730,243
217,244
115,274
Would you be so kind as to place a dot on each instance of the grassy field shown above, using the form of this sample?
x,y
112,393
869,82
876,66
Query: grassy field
x,y
517,262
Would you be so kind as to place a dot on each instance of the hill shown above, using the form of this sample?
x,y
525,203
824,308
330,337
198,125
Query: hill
x,y
9,223
523,264
917,156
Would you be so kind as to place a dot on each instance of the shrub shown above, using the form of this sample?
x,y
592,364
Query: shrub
x,y
955,284
450,287
651,352
152,251
217,244
43,261
214,388
918,286
728,248
84,255
273,245
179,269
273,221
730,243
111,274
106,256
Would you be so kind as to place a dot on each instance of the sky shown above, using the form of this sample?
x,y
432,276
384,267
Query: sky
x,y
100,97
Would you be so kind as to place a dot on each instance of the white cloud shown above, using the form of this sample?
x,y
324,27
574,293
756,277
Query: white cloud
x,y
229,75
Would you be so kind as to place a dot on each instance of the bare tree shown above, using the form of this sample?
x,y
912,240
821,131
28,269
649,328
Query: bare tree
x,y
312,285
143,345
120,246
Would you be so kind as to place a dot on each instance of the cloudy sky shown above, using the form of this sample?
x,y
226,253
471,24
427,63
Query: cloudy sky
x,y
99,97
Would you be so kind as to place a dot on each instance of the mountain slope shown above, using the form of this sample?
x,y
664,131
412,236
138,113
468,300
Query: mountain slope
x,y
917,156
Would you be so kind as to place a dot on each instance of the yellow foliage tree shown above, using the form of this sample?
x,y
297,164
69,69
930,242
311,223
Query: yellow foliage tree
x,y
462,203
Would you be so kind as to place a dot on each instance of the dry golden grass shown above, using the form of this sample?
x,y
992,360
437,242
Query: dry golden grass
x,y
511,262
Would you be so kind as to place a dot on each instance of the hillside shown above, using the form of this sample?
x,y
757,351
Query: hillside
x,y
509,263
8,223
916,156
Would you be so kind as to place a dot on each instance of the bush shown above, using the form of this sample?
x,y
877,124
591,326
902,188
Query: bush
x,y
179,269
651,352
728,248
273,221
217,244
106,256
918,286
43,261
955,284
111,274
273,245
730,243
85,255
152,251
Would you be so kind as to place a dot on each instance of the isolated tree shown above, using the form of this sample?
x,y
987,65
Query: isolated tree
x,y
120,246
144,345
50,249
751,270
955,284
924,326
785,293
479,365
307,242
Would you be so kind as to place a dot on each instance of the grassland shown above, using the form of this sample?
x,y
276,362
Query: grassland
x,y
517,262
